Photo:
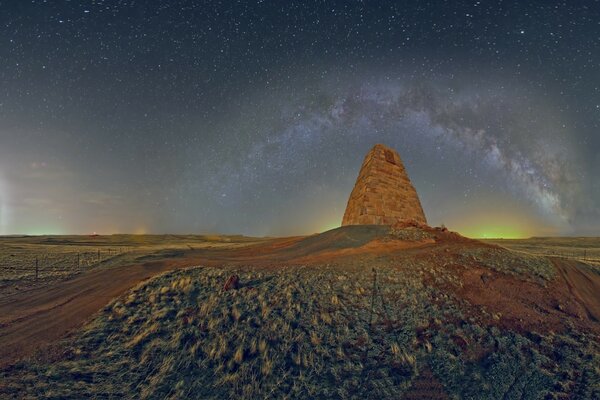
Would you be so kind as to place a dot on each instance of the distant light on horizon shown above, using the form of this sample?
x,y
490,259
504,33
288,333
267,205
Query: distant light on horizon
x,y
495,233
259,127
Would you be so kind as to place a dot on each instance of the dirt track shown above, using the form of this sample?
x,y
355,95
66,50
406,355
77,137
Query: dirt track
x,y
583,284
32,319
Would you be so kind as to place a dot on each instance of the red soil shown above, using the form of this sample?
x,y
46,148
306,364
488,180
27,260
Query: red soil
x,y
35,319
522,306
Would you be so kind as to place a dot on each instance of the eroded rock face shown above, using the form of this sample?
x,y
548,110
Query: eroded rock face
x,y
383,193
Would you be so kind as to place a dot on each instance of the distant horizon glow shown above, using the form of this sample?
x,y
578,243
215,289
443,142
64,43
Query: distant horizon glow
x,y
146,118
483,231
495,232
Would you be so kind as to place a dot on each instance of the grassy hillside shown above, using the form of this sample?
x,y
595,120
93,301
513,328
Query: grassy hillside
x,y
382,327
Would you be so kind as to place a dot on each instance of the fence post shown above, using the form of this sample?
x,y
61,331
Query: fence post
x,y
98,255
78,263
36,269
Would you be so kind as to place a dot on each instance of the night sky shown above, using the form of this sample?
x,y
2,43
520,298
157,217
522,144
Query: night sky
x,y
254,117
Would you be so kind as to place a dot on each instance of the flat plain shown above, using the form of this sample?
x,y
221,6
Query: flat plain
x,y
27,262
585,249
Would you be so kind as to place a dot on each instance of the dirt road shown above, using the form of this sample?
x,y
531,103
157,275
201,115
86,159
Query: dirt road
x,y
33,319
583,283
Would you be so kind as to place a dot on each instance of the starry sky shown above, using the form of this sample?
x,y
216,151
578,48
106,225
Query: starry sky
x,y
253,117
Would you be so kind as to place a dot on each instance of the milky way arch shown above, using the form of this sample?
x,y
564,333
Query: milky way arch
x,y
507,133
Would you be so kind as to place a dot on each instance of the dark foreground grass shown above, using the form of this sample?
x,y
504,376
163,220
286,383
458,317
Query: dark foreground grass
x,y
304,332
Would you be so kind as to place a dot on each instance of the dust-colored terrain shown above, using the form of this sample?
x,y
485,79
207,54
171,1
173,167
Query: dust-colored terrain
x,y
585,249
28,262
364,311
39,317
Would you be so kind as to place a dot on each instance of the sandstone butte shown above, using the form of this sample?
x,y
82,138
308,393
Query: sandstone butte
x,y
383,193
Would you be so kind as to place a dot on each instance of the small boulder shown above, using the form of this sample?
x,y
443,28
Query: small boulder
x,y
486,277
233,282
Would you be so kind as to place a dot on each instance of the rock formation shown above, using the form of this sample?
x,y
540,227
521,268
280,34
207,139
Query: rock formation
x,y
383,193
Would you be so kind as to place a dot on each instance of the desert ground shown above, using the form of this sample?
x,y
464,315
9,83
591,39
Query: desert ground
x,y
356,312
585,249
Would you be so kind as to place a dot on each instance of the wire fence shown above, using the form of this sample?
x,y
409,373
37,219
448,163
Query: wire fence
x,y
592,255
39,265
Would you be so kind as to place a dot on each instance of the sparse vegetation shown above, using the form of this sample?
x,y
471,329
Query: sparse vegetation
x,y
411,233
325,330
62,257
585,249
54,262
304,332
501,260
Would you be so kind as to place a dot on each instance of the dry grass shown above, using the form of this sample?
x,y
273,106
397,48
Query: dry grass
x,y
508,262
62,257
585,249
311,332
299,332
